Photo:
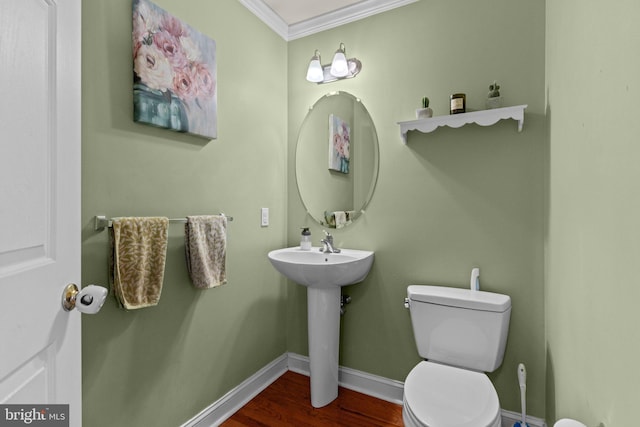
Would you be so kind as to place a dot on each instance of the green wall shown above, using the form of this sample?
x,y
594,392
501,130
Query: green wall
x,y
449,200
161,366
593,85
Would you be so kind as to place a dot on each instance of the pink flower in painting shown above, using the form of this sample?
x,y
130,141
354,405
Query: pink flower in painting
x,y
153,68
344,150
341,142
184,84
337,140
338,144
173,26
194,82
145,20
206,85
171,48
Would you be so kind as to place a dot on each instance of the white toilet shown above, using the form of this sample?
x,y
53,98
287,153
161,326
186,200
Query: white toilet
x,y
567,422
461,333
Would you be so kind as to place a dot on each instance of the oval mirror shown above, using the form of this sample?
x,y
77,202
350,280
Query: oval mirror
x,y
337,160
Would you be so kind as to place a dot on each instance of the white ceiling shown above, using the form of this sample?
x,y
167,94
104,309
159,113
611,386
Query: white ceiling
x,y
294,19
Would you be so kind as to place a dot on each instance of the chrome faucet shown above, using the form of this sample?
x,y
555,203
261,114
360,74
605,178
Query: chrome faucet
x,y
327,244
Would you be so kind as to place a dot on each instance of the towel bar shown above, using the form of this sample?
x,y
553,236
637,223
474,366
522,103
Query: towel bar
x,y
101,222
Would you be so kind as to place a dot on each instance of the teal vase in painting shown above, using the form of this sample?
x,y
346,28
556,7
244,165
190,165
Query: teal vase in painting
x,y
344,165
162,109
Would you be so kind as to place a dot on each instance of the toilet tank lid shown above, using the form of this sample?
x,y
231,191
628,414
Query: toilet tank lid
x,y
459,297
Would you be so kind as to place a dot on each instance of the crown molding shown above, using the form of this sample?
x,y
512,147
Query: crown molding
x,y
343,16
323,22
268,16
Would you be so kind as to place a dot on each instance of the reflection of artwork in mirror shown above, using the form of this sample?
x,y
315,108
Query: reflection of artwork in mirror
x,y
330,197
339,144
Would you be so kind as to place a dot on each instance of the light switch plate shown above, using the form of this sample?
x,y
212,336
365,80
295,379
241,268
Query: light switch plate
x,y
264,217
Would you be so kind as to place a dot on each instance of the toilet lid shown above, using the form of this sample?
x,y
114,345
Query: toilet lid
x,y
444,396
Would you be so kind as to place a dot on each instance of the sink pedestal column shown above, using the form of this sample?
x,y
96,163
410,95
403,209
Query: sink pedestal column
x,y
323,311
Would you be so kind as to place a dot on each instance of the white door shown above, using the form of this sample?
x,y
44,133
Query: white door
x,y
39,202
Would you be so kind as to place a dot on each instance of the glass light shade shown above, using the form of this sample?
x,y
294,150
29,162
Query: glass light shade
x,y
339,66
314,72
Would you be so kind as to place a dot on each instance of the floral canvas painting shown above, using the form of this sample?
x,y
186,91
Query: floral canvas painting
x,y
339,144
174,73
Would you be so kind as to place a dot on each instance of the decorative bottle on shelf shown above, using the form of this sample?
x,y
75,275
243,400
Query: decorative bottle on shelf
x,y
458,103
305,240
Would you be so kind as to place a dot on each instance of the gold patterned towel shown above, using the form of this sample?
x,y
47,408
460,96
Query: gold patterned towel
x,y
138,253
206,250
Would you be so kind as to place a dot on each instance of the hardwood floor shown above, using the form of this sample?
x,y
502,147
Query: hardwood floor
x,y
287,402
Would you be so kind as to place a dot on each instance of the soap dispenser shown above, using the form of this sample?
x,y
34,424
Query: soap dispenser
x,y
305,240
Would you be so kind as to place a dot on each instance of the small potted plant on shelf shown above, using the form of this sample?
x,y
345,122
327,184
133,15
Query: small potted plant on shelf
x,y
425,112
494,100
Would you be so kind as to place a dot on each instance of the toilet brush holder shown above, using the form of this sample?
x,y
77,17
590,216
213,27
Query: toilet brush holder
x,y
522,381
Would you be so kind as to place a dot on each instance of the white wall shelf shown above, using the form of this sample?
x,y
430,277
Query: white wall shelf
x,y
483,118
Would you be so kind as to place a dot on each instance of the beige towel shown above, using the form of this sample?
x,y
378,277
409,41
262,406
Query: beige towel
x,y
138,253
341,218
206,250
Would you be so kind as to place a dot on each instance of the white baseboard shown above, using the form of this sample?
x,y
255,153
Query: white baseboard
x,y
219,411
369,384
362,382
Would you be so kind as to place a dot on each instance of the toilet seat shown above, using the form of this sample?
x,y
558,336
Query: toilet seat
x,y
443,396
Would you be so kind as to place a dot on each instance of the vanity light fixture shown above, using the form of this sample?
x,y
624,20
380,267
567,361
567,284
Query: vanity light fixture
x,y
340,67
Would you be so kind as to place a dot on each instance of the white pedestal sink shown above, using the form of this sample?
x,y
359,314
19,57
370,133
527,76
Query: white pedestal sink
x,y
323,275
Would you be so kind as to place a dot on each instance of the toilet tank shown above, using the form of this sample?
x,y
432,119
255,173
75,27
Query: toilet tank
x,y
460,327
